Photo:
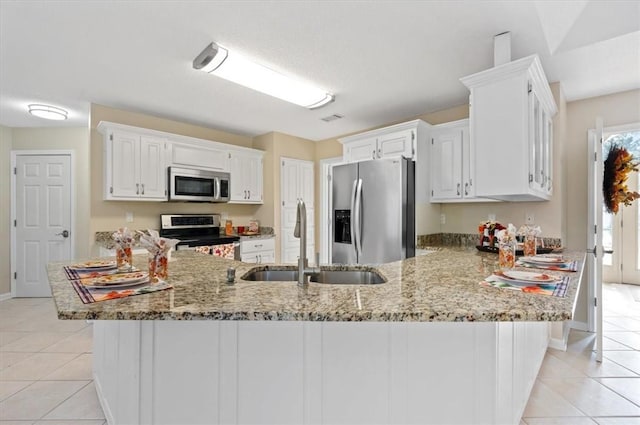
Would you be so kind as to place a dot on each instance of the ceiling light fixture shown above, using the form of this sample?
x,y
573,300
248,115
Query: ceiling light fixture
x,y
48,112
219,61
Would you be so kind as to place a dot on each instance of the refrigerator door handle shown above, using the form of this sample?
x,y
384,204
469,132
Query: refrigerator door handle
x,y
353,217
358,223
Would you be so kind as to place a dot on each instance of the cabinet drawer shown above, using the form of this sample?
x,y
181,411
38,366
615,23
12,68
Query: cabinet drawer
x,y
255,245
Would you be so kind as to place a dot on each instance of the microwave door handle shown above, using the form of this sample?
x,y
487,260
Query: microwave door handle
x,y
217,194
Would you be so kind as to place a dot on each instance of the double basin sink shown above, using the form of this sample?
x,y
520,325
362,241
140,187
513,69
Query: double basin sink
x,y
331,276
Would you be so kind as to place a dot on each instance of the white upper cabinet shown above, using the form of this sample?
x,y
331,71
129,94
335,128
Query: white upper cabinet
x,y
511,111
246,167
452,167
389,142
201,154
134,165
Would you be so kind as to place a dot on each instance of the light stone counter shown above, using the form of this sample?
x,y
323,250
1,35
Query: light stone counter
x,y
439,286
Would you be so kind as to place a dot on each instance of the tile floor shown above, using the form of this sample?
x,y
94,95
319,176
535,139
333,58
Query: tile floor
x,y
45,369
573,389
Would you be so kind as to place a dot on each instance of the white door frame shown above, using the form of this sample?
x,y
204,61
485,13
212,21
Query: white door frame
x,y
326,206
72,200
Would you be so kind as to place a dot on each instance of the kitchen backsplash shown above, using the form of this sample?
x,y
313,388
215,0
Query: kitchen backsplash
x,y
105,239
469,240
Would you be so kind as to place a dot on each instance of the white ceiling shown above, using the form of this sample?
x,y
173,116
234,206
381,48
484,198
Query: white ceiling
x,y
384,60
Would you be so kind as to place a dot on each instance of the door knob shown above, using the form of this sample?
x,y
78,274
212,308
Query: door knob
x,y
64,234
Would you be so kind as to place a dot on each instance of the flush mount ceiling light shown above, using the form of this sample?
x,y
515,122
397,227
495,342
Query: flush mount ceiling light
x,y
48,112
217,60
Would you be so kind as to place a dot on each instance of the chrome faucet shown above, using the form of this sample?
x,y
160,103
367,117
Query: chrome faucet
x,y
301,232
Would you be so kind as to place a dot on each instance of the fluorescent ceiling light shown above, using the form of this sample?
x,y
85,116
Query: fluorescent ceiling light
x,y
48,112
219,61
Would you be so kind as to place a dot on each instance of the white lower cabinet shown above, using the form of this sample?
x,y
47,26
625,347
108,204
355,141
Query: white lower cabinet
x,y
261,251
294,372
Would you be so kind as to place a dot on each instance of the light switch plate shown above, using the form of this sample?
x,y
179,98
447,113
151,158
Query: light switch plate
x,y
492,217
128,217
443,219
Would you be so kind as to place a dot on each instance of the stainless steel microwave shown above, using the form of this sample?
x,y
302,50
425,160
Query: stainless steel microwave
x,y
196,185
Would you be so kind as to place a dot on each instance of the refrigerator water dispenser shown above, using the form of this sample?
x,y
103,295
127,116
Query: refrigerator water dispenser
x,y
342,226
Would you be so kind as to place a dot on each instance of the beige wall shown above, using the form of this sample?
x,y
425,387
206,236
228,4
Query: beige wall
x,y
616,109
76,140
109,215
278,146
5,211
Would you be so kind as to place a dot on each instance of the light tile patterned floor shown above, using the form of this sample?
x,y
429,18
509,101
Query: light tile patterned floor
x,y
45,369
573,389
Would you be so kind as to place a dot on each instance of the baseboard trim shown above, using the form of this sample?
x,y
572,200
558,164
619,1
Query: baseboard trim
x,y
579,326
5,296
103,402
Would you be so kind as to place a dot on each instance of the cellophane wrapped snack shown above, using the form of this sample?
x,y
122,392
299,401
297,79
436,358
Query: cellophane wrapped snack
x,y
530,233
123,240
158,253
507,247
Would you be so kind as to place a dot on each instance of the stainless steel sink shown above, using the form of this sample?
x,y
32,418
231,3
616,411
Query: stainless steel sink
x,y
271,275
345,277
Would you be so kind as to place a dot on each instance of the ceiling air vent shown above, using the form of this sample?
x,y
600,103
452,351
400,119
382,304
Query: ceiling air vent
x,y
332,117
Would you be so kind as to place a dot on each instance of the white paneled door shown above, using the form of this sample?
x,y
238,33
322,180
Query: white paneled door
x,y
42,219
296,182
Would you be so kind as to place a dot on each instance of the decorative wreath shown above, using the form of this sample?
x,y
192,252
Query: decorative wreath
x,y
617,166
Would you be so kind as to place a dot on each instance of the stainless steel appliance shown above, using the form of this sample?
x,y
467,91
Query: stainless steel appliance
x,y
197,230
195,185
373,212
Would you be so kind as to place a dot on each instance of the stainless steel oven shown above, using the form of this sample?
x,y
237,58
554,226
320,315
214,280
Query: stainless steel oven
x,y
196,185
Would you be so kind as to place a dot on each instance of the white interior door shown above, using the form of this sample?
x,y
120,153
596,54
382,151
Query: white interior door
x,y
595,247
296,181
42,220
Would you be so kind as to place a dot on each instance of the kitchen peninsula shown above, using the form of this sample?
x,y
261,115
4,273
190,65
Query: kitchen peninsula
x,y
430,346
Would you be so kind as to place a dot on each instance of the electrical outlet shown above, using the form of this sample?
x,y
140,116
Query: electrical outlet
x,y
128,217
529,218
492,217
443,219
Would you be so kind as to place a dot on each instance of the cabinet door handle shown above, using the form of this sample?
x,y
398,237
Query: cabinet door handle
x,y
245,194
248,194
373,155
257,246
466,189
142,188
379,153
458,189
137,188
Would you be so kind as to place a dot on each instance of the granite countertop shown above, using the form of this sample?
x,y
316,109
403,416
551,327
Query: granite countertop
x,y
439,286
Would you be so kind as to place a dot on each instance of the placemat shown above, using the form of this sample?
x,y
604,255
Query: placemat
x,y
90,295
552,289
75,274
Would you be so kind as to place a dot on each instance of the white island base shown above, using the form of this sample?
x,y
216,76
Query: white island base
x,y
277,372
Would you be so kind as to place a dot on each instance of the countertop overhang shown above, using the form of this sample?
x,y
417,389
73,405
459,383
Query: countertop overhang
x,y
439,286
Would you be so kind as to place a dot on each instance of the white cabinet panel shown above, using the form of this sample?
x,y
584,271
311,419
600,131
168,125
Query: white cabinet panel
x,y
389,142
511,130
453,164
211,156
260,251
135,166
246,176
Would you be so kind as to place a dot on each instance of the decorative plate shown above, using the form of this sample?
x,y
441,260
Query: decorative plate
x,y
526,277
544,259
94,265
119,279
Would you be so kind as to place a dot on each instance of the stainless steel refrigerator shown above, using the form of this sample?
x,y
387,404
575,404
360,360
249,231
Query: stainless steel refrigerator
x,y
373,212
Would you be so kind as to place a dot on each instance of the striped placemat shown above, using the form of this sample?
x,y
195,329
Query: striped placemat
x,y
556,289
